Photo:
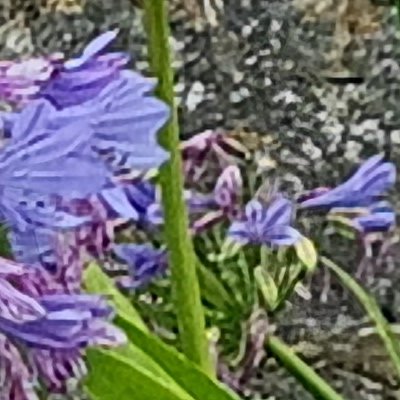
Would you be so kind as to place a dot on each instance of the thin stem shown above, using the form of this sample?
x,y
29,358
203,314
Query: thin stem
x,y
372,308
185,284
311,381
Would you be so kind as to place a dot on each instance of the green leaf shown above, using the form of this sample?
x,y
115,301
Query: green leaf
x,y
230,248
311,381
212,290
371,307
171,371
267,286
113,376
189,376
96,281
341,225
306,253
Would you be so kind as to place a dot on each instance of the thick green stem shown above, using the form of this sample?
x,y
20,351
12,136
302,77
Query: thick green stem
x,y
185,284
311,381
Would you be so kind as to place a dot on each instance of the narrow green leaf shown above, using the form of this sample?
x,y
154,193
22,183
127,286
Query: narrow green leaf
x,y
113,376
189,376
267,286
230,248
212,289
371,307
341,225
147,352
310,380
96,281
306,253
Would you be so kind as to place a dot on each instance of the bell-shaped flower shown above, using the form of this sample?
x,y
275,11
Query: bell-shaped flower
x,y
263,224
84,77
42,162
37,318
371,180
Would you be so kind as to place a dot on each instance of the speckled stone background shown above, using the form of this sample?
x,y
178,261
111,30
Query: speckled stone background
x,y
261,67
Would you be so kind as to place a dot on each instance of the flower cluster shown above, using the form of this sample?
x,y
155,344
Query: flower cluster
x,y
80,138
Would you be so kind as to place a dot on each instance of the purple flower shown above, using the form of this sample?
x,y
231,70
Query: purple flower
x,y
130,201
110,106
370,181
380,217
21,81
7,120
197,150
36,318
223,203
41,163
228,190
83,78
125,120
64,253
265,225
143,262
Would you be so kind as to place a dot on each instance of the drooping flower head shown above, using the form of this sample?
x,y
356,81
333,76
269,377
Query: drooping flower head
x,y
371,180
263,224
42,161
96,89
50,329
80,79
112,131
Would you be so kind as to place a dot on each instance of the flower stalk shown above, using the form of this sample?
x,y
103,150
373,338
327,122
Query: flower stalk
x,y
310,380
185,286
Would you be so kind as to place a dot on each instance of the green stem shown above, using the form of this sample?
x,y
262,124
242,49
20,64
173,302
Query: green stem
x,y
185,284
310,380
372,308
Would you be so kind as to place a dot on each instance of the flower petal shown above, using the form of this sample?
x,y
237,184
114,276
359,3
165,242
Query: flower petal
x,y
281,235
92,49
58,367
239,231
279,212
144,262
16,380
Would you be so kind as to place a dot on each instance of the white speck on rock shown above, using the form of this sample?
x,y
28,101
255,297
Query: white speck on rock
x,y
195,95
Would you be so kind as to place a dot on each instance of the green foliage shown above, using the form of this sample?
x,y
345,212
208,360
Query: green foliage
x,y
306,253
146,368
371,307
